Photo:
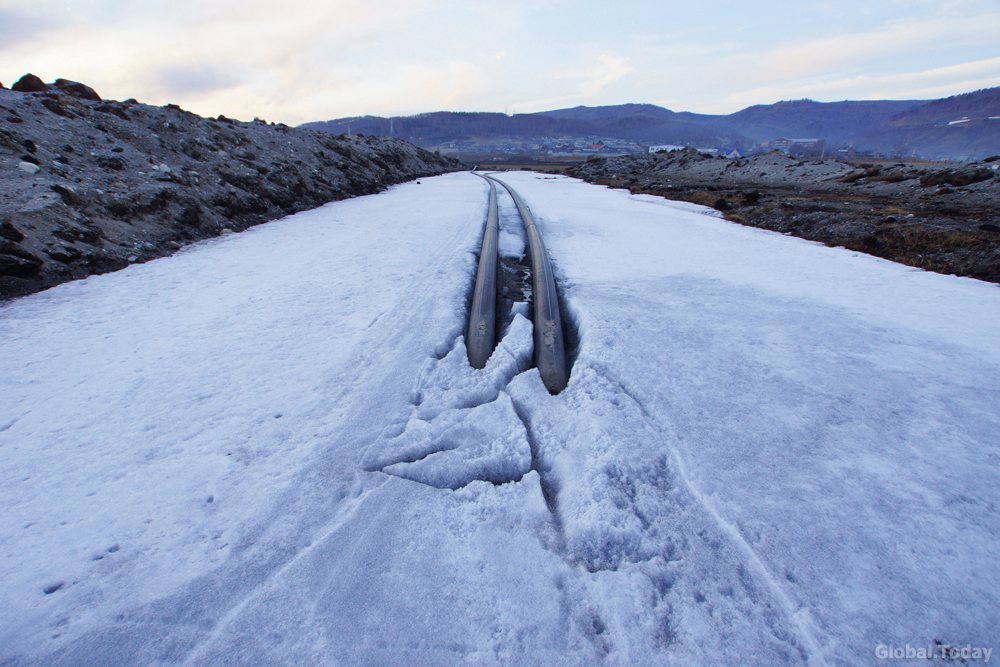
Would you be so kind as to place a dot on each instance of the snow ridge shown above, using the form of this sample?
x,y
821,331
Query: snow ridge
x,y
345,512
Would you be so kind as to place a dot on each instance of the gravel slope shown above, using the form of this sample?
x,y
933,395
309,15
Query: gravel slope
x,y
91,185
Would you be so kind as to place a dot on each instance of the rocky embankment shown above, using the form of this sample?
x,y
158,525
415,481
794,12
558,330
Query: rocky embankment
x,y
91,185
944,219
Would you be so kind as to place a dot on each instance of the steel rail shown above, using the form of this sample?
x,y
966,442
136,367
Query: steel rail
x,y
480,337
550,350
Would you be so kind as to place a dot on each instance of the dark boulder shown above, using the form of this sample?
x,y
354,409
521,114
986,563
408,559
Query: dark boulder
x,y
55,107
16,261
77,89
116,109
72,232
10,232
64,253
69,195
111,163
956,177
29,83
11,265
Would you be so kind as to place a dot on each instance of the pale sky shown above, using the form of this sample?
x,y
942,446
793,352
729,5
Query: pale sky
x,y
301,60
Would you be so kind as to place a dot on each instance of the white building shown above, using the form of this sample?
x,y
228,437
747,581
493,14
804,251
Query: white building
x,y
667,148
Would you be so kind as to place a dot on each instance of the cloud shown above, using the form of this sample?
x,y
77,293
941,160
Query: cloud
x,y
896,40
608,71
924,84
605,71
17,27
197,80
309,59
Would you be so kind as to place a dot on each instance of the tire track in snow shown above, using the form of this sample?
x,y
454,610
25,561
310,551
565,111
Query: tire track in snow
x,y
346,512
800,617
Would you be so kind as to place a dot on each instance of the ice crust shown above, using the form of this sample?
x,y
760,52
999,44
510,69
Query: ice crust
x,y
270,449
463,426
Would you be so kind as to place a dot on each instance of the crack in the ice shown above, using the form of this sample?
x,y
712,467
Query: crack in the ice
x,y
461,425
549,486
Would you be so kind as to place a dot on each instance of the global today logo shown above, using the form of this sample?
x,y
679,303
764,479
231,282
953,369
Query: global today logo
x,y
965,653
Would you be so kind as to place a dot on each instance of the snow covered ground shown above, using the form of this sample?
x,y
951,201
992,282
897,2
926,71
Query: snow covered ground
x,y
270,449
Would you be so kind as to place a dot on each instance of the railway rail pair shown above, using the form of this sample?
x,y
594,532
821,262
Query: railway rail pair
x,y
550,349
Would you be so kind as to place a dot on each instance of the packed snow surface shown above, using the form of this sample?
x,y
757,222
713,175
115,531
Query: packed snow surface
x,y
270,449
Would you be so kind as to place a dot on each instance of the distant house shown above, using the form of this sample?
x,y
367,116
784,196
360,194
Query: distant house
x,y
786,145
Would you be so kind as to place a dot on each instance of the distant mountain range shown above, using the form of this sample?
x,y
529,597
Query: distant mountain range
x,y
961,127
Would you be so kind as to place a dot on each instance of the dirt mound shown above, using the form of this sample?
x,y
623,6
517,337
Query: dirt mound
x,y
91,185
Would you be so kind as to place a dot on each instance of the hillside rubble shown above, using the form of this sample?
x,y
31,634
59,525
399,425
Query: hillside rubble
x,y
940,218
91,185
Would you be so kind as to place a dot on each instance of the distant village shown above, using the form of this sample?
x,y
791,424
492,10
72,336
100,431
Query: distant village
x,y
569,146
961,128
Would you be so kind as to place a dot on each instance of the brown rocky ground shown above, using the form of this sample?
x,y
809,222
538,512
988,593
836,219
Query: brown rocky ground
x,y
90,185
942,218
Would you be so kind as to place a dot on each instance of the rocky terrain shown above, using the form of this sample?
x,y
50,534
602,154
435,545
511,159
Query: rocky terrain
x,y
91,185
939,218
